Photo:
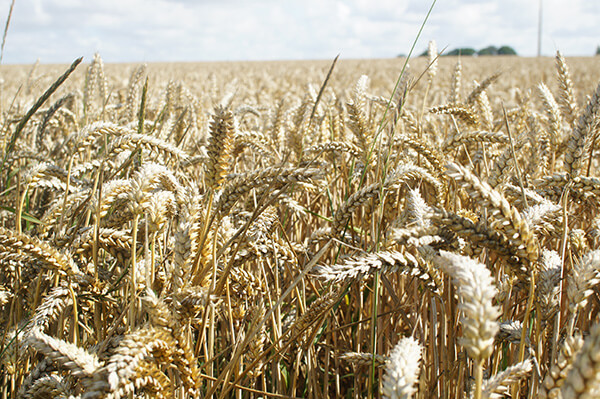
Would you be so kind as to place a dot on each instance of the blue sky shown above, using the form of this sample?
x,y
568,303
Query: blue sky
x,y
58,31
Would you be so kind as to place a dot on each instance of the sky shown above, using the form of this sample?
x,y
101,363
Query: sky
x,y
58,31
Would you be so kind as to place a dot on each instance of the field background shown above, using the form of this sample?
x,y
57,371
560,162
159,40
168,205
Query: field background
x,y
211,231
291,77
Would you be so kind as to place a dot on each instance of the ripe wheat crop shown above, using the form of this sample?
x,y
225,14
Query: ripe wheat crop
x,y
256,230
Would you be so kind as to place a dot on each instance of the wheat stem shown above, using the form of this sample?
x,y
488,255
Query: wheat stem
x,y
133,273
478,379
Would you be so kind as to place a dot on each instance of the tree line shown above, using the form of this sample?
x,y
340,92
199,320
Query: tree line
x,y
489,50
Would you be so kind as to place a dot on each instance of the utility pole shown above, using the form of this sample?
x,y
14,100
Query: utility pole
x,y
539,43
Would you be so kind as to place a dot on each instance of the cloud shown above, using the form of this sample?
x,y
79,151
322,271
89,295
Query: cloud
x,y
186,30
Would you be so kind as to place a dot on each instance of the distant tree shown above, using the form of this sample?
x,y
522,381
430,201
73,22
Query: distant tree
x,y
490,50
506,50
598,50
462,51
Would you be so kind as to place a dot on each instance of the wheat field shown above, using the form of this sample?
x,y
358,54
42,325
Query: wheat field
x,y
269,229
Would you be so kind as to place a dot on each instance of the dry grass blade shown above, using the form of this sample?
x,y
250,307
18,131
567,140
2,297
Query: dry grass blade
x,y
10,11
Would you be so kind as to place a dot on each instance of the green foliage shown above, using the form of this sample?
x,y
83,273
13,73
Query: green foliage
x,y
489,50
462,51
506,50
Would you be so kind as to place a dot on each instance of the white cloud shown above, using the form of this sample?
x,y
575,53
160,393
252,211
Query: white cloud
x,y
186,30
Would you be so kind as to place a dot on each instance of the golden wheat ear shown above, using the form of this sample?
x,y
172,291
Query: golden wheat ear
x,y
468,138
220,145
357,116
454,96
66,356
126,371
480,88
302,327
40,251
547,287
499,385
555,377
582,134
153,146
510,222
478,235
46,386
95,85
567,99
476,292
384,262
273,177
553,115
402,370
584,275
461,112
362,359
134,88
434,158
583,378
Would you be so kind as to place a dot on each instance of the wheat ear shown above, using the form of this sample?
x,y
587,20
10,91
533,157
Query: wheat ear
x,y
219,148
586,124
584,275
554,379
476,292
463,113
499,385
511,222
584,376
384,262
402,369
65,355
567,99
